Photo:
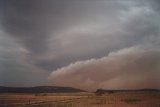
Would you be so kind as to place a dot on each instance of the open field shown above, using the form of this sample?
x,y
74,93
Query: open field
x,y
29,99
118,99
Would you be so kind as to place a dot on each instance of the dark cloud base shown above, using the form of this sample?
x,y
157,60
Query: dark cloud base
x,y
40,36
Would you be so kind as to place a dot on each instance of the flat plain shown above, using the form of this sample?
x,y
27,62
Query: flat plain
x,y
117,99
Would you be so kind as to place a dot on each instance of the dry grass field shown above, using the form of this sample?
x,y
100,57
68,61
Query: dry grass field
x,y
119,99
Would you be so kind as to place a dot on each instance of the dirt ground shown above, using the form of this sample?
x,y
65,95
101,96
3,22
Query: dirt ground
x,y
119,99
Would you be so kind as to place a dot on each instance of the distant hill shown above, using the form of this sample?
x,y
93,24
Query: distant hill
x,y
39,89
103,91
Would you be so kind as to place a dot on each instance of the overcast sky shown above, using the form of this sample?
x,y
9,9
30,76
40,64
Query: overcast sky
x,y
87,44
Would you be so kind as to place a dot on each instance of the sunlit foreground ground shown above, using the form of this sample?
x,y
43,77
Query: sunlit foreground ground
x,y
119,99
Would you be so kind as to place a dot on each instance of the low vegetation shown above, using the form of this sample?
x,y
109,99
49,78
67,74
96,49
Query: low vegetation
x,y
131,101
118,99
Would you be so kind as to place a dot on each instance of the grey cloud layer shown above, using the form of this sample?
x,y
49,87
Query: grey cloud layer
x,y
15,68
50,34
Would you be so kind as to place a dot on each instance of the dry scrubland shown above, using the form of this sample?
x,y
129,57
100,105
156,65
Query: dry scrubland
x,y
119,99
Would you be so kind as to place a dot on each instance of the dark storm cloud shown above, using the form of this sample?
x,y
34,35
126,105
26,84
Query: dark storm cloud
x,y
15,68
33,22
44,35
25,20
155,4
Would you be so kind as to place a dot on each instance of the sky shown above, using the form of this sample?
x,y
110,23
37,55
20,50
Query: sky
x,y
86,44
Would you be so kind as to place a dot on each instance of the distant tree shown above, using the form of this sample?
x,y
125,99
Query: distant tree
x,y
110,92
100,92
